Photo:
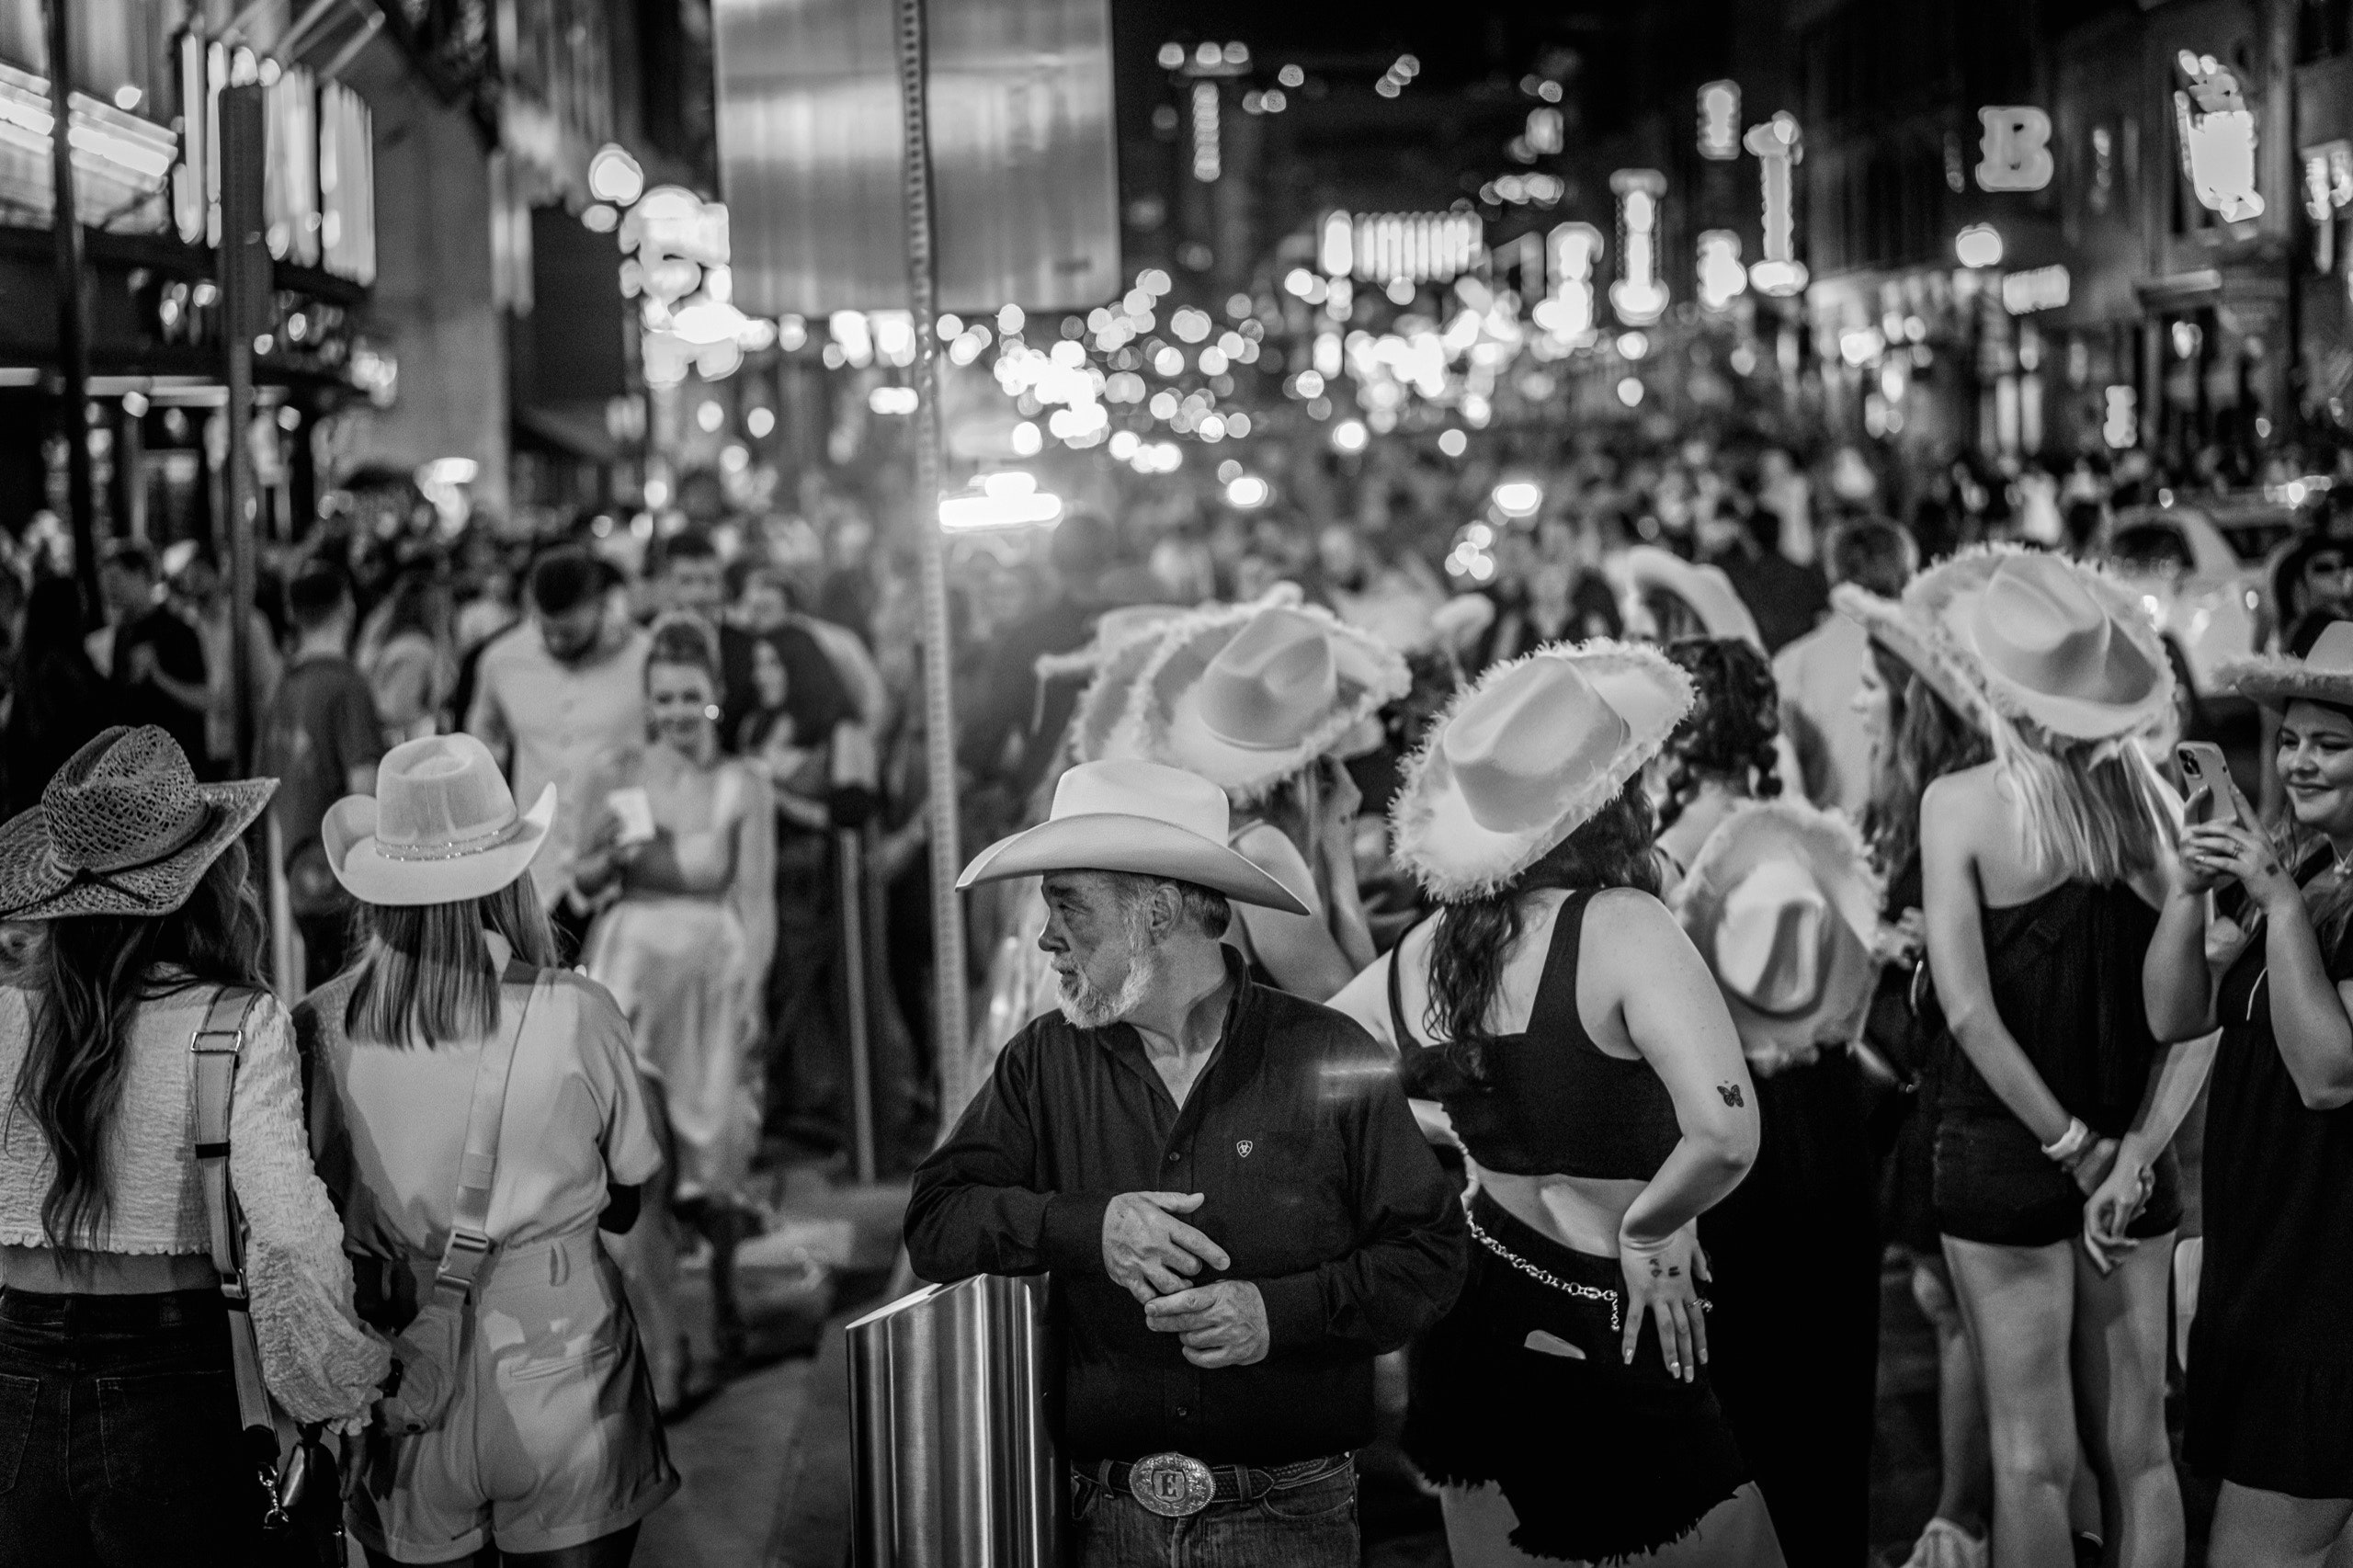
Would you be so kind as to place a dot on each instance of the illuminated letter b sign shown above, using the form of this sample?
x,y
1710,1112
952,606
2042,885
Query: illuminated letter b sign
x,y
2015,153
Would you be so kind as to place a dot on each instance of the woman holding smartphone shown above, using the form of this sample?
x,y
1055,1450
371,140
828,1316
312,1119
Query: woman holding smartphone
x,y
683,947
2042,874
2271,1349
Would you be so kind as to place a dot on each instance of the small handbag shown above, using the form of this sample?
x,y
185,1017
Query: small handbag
x,y
302,1522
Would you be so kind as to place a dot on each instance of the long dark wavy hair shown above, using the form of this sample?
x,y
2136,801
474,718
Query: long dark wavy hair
x,y
1473,939
87,979
1930,741
1728,733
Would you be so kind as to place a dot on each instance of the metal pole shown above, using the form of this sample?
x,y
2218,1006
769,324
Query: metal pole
x,y
950,1031
849,846
73,314
244,261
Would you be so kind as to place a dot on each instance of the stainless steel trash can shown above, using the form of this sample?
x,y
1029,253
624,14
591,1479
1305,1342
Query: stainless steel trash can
x,y
955,1459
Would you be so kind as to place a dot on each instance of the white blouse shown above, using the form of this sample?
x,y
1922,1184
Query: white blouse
x,y
319,1362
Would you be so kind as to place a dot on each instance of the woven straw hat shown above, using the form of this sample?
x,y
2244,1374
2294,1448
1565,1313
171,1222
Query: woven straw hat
x,y
1912,640
1527,756
1139,817
2324,675
1247,695
441,827
123,828
2048,641
1781,902
1705,590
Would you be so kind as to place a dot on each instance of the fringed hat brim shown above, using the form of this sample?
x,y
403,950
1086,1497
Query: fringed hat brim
x,y
2274,680
1944,597
1925,654
1163,722
1432,833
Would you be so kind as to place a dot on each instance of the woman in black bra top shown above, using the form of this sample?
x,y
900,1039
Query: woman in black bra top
x,y
1575,1047
2042,872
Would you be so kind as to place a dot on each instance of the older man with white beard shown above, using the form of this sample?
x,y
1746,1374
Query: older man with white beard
x,y
1225,1181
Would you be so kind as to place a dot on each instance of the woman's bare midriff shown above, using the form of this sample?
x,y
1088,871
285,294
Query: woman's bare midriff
x,y
1580,1212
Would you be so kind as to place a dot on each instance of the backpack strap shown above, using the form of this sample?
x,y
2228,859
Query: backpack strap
x,y
470,1245
212,1088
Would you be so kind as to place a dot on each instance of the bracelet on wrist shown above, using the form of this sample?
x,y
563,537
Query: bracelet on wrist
x,y
2070,1145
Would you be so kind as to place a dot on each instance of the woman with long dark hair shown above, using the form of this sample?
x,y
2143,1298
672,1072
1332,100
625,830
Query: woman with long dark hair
x,y
478,1115
57,698
1577,1050
2042,874
2271,1360
1726,751
1915,705
118,1409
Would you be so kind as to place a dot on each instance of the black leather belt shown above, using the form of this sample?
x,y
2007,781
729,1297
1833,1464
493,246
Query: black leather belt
x,y
1174,1485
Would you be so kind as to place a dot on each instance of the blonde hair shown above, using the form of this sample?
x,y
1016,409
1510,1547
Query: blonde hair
x,y
2093,811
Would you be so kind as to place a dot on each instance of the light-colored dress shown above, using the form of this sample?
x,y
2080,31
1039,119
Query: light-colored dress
x,y
688,969
319,1363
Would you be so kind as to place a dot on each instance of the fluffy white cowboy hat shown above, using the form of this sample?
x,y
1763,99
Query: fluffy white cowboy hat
x,y
2048,641
1527,755
441,827
1781,902
1911,639
2324,675
1122,814
1124,638
1114,628
1705,590
122,828
1246,695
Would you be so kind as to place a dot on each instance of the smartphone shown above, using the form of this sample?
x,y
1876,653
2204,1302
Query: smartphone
x,y
2203,769
635,807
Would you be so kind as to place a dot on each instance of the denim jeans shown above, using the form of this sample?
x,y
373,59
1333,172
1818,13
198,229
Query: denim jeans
x,y
119,1439
1309,1525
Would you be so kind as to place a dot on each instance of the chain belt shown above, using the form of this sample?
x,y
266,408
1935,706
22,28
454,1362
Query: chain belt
x,y
1546,1277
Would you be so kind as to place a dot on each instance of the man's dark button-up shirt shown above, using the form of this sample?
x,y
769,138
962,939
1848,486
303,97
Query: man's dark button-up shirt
x,y
1314,1179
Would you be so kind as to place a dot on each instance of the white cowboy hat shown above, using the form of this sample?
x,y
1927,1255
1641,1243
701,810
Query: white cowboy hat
x,y
441,827
1911,639
1526,758
1781,902
1114,628
2323,675
1124,814
122,828
2048,641
1705,590
1246,695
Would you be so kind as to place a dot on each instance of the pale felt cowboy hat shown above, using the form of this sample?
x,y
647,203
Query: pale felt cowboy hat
x,y
1781,902
1527,756
1704,590
122,828
2050,642
1912,640
1246,695
441,827
2323,675
1125,814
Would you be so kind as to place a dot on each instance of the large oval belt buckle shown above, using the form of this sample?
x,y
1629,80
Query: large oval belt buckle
x,y
1171,1485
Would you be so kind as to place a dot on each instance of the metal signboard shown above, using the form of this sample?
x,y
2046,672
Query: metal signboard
x,y
811,150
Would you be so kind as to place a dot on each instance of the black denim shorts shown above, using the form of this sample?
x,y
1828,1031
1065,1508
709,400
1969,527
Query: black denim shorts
x,y
1993,1184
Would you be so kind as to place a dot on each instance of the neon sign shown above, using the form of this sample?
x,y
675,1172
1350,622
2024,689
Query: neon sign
x,y
1639,297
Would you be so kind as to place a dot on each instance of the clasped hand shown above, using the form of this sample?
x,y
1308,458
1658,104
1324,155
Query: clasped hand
x,y
1153,1254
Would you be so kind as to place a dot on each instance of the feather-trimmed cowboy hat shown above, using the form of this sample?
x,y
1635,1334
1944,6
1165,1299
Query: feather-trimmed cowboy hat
x,y
1781,902
1124,815
1246,695
1527,756
1704,590
123,828
2323,675
2048,641
1912,640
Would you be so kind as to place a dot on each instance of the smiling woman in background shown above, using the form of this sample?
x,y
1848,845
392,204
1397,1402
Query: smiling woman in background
x,y
2271,1349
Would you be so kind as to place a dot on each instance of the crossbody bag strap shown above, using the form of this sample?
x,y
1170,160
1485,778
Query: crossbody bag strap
x,y
469,1245
213,1088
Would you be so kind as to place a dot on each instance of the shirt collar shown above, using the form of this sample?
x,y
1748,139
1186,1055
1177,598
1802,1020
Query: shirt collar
x,y
1236,1034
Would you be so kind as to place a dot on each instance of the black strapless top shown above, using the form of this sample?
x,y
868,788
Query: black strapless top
x,y
1549,1101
